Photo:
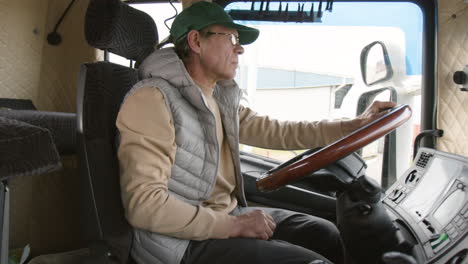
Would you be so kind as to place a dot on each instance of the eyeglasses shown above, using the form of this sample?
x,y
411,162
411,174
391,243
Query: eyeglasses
x,y
234,38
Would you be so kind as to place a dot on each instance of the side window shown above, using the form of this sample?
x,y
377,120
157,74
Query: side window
x,y
312,71
160,12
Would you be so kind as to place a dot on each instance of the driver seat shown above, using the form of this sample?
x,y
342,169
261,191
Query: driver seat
x,y
115,27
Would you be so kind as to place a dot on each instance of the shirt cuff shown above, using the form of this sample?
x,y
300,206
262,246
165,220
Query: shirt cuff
x,y
348,126
218,223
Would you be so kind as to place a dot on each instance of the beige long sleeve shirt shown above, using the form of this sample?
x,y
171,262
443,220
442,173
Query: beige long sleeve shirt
x,y
147,152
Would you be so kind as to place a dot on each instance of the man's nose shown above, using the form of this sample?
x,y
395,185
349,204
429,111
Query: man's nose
x,y
239,49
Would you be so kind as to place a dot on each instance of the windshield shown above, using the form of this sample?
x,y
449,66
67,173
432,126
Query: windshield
x,y
311,71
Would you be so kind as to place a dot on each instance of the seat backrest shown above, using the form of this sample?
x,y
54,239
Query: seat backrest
x,y
116,27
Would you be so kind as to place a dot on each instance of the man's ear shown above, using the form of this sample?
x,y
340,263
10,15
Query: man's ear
x,y
193,38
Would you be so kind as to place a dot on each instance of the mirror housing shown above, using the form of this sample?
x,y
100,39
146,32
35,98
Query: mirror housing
x,y
388,176
375,63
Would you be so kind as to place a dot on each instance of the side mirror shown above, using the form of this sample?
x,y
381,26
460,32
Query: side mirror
x,y
375,63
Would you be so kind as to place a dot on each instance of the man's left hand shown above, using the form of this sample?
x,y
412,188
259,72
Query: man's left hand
x,y
373,112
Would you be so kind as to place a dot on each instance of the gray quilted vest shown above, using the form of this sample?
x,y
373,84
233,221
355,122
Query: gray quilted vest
x,y
196,162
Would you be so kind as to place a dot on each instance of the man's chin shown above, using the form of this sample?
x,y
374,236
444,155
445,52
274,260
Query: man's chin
x,y
229,77
226,80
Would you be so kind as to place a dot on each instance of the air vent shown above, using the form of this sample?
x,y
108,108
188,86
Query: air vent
x,y
423,159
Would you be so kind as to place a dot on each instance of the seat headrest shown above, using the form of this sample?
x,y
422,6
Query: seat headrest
x,y
121,29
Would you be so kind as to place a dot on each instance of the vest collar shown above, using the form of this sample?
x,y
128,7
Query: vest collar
x,y
165,64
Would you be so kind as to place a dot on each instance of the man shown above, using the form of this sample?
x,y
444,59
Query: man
x,y
181,183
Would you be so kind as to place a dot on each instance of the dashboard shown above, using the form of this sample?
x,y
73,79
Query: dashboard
x,y
429,202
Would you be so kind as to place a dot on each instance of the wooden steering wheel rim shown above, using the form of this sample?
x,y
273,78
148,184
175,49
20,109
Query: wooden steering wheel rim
x,y
335,151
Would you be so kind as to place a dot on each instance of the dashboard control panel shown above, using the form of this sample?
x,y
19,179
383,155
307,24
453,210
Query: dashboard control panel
x,y
432,199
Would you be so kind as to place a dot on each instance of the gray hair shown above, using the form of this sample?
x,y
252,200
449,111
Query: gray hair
x,y
182,48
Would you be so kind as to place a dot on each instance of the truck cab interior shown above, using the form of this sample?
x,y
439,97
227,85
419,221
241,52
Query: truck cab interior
x,y
396,188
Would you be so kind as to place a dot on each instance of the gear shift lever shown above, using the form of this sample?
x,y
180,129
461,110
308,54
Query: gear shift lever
x,y
364,223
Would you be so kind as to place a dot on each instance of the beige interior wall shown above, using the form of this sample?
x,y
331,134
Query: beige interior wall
x,y
22,29
45,211
452,56
60,64
30,68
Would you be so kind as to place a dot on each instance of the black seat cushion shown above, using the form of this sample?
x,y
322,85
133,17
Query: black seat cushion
x,y
20,104
62,126
25,150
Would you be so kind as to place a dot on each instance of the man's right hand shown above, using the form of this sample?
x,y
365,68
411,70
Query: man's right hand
x,y
255,224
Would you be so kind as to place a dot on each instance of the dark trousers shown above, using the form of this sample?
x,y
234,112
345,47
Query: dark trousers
x,y
298,239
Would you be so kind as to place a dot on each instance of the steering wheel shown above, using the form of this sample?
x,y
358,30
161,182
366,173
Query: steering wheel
x,y
311,161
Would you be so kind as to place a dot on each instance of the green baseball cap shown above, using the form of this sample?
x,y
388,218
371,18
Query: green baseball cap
x,y
203,14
